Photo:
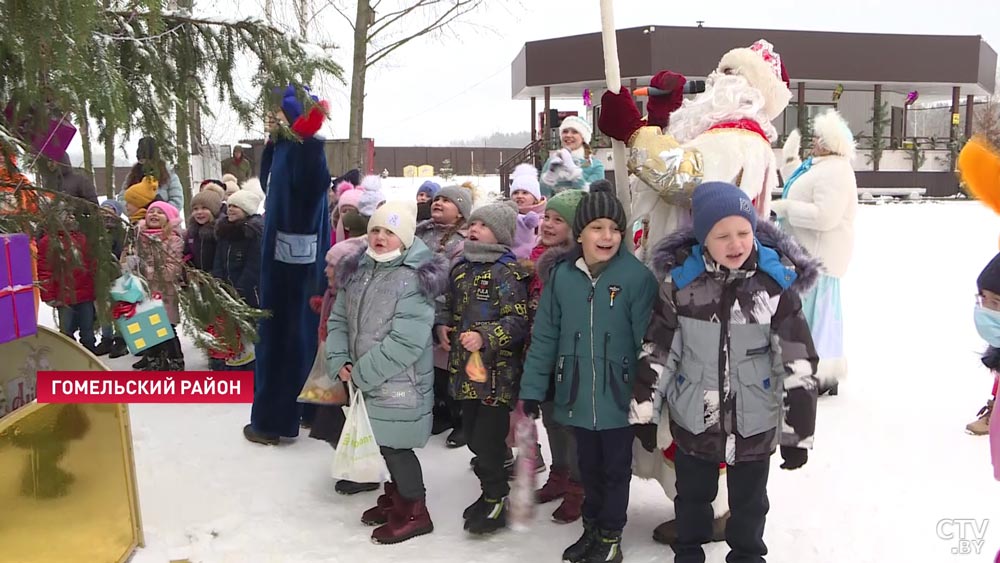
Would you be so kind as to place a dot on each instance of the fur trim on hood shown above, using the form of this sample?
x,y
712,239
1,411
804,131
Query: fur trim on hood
x,y
554,255
432,269
674,249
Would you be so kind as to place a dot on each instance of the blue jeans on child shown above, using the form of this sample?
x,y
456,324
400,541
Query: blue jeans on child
x,y
79,317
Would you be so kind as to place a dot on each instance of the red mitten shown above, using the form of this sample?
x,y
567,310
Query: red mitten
x,y
660,107
619,116
316,303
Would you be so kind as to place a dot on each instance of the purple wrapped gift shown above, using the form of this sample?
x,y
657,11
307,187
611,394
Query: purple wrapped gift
x,y
17,292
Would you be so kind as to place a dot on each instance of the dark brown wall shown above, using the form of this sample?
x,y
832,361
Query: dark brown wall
x,y
487,159
938,184
581,57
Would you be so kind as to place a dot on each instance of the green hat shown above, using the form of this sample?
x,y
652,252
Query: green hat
x,y
565,203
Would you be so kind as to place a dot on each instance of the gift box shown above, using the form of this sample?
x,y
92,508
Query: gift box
x,y
17,290
146,326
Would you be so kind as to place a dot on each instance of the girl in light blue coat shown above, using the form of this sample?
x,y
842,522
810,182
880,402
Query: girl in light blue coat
x,y
379,338
573,166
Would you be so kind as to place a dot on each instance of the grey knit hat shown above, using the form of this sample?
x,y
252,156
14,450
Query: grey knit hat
x,y
501,218
600,203
460,196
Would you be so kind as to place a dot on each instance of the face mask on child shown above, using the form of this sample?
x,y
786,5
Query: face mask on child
x,y
386,256
988,325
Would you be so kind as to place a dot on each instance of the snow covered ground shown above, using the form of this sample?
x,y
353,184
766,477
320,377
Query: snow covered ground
x,y
891,459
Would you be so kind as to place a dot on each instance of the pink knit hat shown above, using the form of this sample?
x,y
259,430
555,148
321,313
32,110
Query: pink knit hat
x,y
343,187
350,197
170,211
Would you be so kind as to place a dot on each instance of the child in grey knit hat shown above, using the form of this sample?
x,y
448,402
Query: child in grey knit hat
x,y
485,314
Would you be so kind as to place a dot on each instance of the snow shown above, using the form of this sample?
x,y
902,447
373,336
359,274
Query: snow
x,y
891,457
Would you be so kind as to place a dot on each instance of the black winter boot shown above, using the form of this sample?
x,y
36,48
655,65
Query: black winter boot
x,y
492,519
578,552
118,348
607,547
475,508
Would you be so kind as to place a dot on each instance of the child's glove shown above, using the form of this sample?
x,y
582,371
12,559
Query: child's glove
x,y
530,408
794,458
646,433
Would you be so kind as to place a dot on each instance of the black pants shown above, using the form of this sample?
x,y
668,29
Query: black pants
x,y
404,467
445,407
486,433
697,485
562,442
605,460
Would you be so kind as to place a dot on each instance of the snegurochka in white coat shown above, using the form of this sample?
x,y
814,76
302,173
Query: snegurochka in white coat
x,y
817,208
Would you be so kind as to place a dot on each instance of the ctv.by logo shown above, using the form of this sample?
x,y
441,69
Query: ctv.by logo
x,y
969,534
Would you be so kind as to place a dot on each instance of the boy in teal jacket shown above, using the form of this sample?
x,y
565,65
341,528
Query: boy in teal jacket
x,y
588,331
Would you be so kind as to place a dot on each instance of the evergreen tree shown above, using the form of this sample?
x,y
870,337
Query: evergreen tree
x,y
133,67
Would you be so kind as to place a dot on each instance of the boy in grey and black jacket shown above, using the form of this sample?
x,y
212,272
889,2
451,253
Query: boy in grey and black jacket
x,y
729,353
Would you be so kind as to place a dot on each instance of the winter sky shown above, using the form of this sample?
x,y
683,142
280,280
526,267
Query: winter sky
x,y
457,85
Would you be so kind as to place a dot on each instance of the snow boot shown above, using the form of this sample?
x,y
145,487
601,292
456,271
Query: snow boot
x,y
142,364
379,514
577,553
572,504
492,519
118,348
554,487
456,439
346,487
981,426
475,508
666,533
259,437
407,519
607,547
102,349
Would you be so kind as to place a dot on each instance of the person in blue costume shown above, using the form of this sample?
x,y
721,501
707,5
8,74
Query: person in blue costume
x,y
295,177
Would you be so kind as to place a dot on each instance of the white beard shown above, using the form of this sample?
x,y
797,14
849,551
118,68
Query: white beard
x,y
728,97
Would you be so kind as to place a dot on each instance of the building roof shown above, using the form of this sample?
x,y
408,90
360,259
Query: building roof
x,y
932,64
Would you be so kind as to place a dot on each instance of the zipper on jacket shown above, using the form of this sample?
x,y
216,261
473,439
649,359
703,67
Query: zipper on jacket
x,y
607,361
574,387
593,357
727,301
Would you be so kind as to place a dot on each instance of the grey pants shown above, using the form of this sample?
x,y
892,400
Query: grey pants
x,y
562,443
404,467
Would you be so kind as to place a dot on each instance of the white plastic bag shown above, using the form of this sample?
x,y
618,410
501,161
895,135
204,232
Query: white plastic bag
x,y
357,457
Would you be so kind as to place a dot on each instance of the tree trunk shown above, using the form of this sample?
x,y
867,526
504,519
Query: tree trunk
x,y
358,71
269,10
302,15
83,122
109,161
183,154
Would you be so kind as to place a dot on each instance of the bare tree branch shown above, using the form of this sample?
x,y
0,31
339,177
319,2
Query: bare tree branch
x,y
454,12
393,17
331,4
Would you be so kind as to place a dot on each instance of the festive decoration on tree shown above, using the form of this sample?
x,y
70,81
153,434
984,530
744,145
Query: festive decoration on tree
x,y
17,300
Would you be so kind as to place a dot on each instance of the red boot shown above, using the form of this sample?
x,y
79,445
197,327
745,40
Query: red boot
x,y
407,519
379,514
554,487
572,504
